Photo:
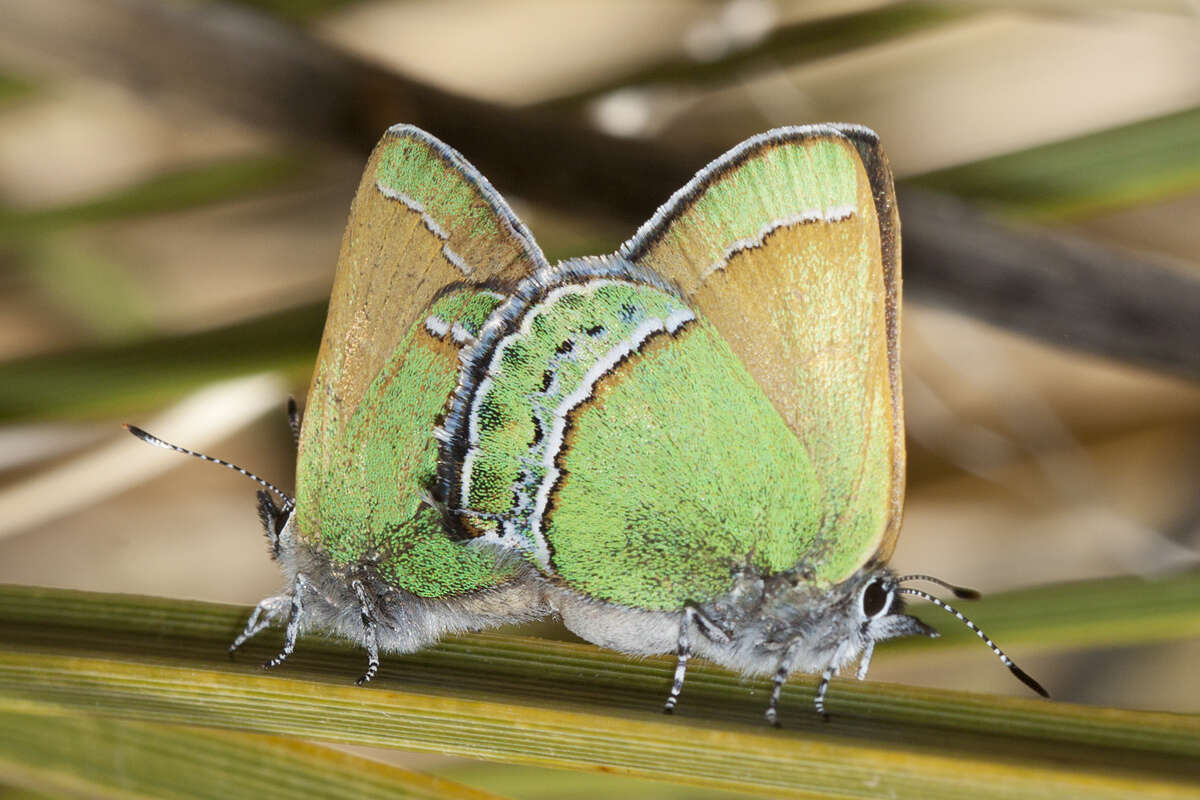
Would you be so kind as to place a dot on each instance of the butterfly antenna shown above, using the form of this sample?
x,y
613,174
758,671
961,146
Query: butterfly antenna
x,y
150,438
1008,662
961,592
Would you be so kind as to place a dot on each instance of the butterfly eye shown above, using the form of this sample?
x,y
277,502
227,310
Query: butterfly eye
x,y
875,598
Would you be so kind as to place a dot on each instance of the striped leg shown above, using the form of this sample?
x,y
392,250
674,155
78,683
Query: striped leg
x,y
691,616
781,676
709,628
264,614
683,652
292,632
370,632
822,687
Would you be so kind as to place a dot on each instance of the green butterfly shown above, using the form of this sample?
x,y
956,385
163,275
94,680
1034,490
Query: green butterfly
x,y
692,445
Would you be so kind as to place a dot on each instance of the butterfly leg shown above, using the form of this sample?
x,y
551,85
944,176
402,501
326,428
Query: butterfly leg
x,y
370,632
683,652
822,688
710,629
781,676
295,615
265,613
864,662
691,616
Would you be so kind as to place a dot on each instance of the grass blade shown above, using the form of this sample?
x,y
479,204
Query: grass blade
x,y
565,705
1138,163
87,756
178,190
114,379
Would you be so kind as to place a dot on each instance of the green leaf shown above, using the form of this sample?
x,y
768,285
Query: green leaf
x,y
574,706
1138,163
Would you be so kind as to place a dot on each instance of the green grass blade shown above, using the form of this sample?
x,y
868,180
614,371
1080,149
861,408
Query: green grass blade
x,y
97,292
541,783
86,756
102,381
296,10
172,191
14,88
566,705
1138,163
1101,613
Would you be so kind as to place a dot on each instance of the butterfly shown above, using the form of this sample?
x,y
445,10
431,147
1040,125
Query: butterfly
x,y
693,445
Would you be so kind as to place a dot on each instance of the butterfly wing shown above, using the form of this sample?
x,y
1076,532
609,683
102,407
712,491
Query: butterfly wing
x,y
423,219
429,250
790,245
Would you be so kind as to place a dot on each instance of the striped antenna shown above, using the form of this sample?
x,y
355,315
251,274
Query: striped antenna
x,y
1008,662
961,592
288,502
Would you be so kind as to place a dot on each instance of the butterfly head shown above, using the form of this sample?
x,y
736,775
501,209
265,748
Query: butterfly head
x,y
787,622
790,622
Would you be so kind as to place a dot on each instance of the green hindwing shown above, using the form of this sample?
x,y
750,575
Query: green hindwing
x,y
610,434
427,242
366,489
679,472
721,394
788,245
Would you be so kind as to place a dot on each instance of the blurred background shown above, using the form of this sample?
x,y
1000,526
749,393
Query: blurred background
x,y
175,176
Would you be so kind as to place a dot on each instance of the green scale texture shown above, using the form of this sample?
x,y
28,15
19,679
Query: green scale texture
x,y
780,181
821,290
539,367
676,467
411,166
360,487
681,472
